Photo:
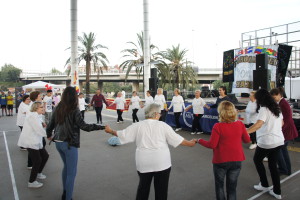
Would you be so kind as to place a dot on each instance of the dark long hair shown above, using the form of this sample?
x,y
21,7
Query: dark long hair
x,y
264,99
277,91
68,103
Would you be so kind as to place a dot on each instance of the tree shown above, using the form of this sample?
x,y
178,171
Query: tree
x,y
136,56
55,71
88,51
175,69
10,73
216,84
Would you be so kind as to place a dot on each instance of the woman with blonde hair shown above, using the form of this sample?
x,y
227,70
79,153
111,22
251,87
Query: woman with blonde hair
x,y
161,100
178,104
228,151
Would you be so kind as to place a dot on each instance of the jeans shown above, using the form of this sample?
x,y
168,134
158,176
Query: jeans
x,y
98,113
272,155
196,123
284,162
231,170
69,156
119,112
161,183
39,159
134,116
177,117
82,114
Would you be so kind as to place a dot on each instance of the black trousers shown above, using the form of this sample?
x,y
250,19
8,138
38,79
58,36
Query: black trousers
x,y
82,114
196,123
272,155
39,159
177,117
119,112
134,116
252,135
161,183
98,113
162,115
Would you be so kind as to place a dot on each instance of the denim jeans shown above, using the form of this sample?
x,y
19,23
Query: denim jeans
x,y
69,156
98,113
284,162
231,171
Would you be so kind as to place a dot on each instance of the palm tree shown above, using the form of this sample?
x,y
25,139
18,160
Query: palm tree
x,y
178,71
87,51
135,56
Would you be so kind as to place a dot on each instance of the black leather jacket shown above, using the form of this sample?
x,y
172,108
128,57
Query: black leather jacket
x,y
69,131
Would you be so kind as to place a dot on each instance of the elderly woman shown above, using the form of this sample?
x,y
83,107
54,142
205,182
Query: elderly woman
x,y
270,139
178,104
161,100
135,105
289,131
152,153
32,139
228,150
22,111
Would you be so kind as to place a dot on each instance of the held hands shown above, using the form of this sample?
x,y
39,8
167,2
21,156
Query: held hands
x,y
44,124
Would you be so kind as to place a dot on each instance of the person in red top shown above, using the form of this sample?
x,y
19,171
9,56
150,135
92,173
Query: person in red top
x,y
289,131
97,100
226,141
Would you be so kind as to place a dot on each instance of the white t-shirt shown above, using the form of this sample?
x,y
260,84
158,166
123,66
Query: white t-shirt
x,y
251,114
22,111
178,103
270,134
152,138
160,99
48,101
120,102
123,94
81,104
198,105
135,102
148,100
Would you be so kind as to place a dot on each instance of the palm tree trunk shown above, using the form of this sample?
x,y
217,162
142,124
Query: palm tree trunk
x,y
87,71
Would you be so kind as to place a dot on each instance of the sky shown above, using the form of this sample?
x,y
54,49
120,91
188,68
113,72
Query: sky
x,y
35,34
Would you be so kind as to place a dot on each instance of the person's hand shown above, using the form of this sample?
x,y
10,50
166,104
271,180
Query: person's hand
x,y
44,124
49,138
193,142
208,107
108,129
167,109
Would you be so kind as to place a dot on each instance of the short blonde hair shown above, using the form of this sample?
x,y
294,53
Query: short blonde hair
x,y
160,89
253,93
35,106
227,112
177,90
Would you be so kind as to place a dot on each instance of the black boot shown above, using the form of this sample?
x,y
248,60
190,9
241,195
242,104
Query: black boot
x,y
63,197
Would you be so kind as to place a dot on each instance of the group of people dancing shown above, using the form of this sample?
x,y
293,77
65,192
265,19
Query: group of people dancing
x,y
272,125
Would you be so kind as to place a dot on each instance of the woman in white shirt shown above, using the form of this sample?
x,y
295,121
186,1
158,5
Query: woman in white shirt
x,y
198,111
148,98
152,155
120,104
135,105
32,139
178,106
269,140
160,99
81,104
22,111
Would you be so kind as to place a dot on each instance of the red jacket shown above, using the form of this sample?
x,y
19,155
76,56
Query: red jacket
x,y
289,129
226,142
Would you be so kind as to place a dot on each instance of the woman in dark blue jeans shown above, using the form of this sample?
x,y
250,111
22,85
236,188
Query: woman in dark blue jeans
x,y
66,122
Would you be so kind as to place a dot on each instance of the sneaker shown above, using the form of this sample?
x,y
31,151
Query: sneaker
x,y
260,187
30,168
177,129
118,122
199,133
266,159
23,149
252,146
193,133
41,176
277,196
35,184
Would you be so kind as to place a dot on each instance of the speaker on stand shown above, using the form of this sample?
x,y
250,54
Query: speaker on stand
x,y
261,76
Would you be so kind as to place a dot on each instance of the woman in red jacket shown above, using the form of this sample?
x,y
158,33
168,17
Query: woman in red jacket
x,y
228,150
289,131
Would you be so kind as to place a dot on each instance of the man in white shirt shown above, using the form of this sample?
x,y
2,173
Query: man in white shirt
x,y
48,106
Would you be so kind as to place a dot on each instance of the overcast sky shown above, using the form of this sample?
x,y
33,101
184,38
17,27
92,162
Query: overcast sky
x,y
35,33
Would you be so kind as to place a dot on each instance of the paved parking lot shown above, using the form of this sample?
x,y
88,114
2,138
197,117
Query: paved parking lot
x,y
109,173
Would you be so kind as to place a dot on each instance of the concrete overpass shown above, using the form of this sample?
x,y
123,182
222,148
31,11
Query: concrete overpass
x,y
204,76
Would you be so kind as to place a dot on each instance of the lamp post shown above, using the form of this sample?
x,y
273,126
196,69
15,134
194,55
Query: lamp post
x,y
74,45
290,74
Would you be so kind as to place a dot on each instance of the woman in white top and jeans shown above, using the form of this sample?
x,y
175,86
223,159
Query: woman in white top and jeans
x,y
269,140
178,104
198,111
135,105
152,155
160,99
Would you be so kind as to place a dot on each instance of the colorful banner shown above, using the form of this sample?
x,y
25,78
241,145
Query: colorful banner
x,y
245,60
114,106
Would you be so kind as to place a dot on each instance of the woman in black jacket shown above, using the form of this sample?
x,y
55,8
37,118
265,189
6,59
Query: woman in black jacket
x,y
66,122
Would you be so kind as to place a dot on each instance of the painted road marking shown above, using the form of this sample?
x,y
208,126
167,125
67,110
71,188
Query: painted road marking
x,y
296,149
13,181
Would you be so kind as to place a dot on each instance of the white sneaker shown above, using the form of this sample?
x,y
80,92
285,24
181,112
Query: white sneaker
x,y
41,176
118,122
277,196
252,146
266,159
177,129
199,133
29,168
260,187
193,133
35,184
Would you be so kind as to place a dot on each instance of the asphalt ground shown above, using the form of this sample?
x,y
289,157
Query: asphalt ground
x,y
109,173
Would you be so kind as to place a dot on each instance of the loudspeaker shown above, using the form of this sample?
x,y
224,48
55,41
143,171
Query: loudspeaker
x,y
153,84
153,73
233,98
261,79
262,61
